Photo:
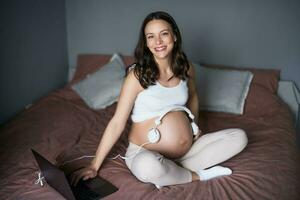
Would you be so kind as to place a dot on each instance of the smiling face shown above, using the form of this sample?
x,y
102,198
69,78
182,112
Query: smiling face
x,y
160,38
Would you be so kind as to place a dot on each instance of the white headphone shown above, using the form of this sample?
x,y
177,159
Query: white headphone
x,y
154,134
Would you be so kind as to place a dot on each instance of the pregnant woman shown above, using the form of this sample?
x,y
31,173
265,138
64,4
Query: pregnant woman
x,y
165,145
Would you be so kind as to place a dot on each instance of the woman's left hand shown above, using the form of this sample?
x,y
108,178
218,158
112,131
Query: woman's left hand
x,y
198,135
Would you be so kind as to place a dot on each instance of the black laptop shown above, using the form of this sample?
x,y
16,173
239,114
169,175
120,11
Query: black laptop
x,y
92,189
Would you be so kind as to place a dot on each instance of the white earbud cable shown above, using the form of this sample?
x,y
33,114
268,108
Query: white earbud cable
x,y
79,158
131,156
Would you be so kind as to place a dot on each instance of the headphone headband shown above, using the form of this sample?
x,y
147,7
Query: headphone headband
x,y
174,108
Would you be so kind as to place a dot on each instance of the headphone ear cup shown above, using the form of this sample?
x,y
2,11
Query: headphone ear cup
x,y
195,128
153,135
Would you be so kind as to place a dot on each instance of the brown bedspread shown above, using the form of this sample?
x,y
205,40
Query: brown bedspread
x,y
61,127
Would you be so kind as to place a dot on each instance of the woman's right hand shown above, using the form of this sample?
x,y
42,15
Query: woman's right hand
x,y
84,174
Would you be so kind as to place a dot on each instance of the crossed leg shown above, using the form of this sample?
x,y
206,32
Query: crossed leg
x,y
214,148
207,151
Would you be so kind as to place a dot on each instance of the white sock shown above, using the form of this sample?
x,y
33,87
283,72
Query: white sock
x,y
158,187
213,172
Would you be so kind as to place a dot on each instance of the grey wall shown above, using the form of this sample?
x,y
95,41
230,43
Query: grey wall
x,y
33,38
255,33
33,52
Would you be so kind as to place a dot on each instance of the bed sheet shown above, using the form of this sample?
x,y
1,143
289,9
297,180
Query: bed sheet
x,y
61,127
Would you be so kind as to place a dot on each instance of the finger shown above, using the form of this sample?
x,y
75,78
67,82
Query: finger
x,y
86,177
82,175
89,175
93,174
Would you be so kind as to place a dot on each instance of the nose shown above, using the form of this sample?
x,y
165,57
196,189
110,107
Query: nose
x,y
158,40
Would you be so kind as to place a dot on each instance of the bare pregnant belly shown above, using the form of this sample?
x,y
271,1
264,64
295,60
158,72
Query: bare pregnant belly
x,y
175,130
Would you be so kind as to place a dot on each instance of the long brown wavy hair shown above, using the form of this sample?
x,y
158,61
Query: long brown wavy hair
x,y
146,69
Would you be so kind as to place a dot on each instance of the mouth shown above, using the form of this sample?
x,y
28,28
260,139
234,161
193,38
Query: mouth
x,y
159,49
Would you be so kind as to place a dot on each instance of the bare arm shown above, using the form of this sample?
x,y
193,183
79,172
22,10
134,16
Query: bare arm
x,y
131,87
193,100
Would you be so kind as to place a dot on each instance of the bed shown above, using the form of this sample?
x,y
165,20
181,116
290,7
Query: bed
x,y
62,127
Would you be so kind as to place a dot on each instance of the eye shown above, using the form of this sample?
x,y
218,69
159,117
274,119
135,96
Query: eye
x,y
165,33
150,37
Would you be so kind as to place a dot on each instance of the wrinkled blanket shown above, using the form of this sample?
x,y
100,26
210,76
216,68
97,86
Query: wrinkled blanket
x,y
61,127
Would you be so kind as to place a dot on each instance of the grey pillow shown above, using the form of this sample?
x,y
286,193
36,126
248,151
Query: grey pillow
x,y
103,87
222,90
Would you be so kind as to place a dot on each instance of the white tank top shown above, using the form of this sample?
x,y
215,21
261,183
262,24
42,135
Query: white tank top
x,y
154,100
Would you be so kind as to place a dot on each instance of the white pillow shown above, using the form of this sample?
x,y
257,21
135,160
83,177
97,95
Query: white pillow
x,y
103,87
222,90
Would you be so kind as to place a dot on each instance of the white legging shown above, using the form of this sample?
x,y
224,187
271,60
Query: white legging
x,y
209,150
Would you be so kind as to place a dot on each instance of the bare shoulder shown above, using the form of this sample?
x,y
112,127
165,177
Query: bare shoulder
x,y
132,81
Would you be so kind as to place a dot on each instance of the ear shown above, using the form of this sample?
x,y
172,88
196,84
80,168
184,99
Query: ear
x,y
175,39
